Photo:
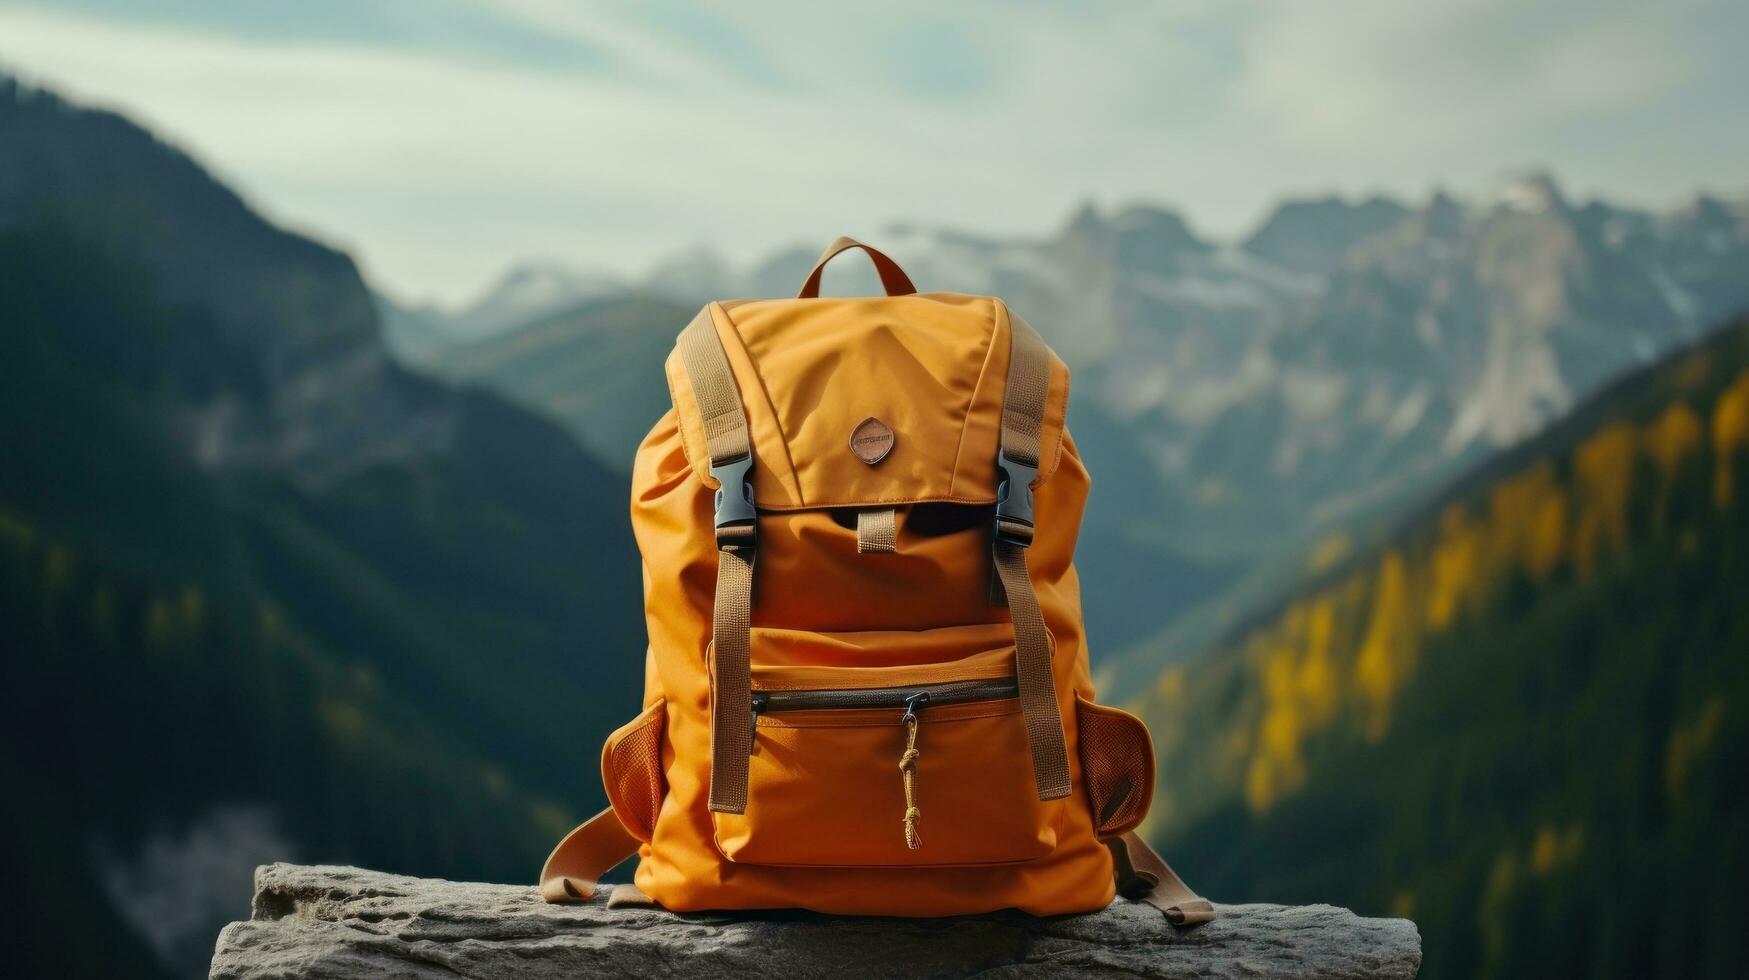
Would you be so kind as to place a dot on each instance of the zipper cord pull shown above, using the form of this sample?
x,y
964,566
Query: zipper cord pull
x,y
908,767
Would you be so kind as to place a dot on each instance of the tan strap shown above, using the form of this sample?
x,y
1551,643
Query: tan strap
x,y
731,680
877,531
575,867
630,897
1023,414
1023,410
1144,876
714,388
1032,668
1029,384
893,278
719,402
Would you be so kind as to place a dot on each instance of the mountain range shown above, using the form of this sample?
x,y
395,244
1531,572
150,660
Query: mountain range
x,y
1238,401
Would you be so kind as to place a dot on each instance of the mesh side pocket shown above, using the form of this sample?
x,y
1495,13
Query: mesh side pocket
x,y
631,769
1117,764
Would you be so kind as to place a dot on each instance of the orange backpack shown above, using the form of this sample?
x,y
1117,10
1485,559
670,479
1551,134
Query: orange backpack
x,y
867,687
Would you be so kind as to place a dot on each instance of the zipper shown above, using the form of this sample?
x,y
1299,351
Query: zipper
x,y
912,699
952,692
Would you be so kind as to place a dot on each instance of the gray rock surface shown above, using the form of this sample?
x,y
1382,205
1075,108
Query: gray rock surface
x,y
347,922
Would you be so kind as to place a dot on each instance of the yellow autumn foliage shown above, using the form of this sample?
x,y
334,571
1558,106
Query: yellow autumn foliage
x,y
1315,681
1553,848
1276,764
1388,651
1528,520
1672,438
1456,566
1603,470
1544,850
1263,784
1342,655
1688,743
1730,436
1546,544
1301,692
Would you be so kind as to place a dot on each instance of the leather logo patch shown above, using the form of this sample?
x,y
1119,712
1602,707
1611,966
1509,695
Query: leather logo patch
x,y
871,440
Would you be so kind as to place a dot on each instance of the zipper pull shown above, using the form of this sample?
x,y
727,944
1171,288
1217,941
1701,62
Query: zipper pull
x,y
912,703
908,767
759,700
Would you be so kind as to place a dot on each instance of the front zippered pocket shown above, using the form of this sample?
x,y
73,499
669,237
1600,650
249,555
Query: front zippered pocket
x,y
838,776
912,699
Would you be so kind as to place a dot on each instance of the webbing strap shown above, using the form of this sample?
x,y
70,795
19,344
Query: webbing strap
x,y
629,896
877,531
1144,876
732,681
1029,381
1023,411
713,387
1032,668
725,426
591,850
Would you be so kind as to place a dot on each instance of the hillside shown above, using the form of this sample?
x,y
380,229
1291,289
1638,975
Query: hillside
x,y
266,594
1520,717
596,367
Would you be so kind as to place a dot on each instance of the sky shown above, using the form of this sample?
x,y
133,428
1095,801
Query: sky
x,y
441,141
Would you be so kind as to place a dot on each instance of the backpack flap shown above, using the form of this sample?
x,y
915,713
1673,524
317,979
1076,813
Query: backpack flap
x,y
929,370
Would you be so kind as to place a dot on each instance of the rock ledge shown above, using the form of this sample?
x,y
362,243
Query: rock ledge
x,y
346,922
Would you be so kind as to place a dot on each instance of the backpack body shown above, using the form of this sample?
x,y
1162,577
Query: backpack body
x,y
867,684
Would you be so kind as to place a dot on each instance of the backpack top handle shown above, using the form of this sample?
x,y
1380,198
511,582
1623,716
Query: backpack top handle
x,y
893,278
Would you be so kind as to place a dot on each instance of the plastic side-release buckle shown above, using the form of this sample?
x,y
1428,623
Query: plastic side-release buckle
x,y
1014,481
737,520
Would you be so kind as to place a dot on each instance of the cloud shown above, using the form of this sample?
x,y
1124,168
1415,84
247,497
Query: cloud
x,y
746,127
1452,70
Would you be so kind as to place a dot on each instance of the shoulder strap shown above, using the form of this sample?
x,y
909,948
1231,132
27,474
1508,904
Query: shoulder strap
x,y
1017,462
726,439
713,385
591,850
1144,876
1023,403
